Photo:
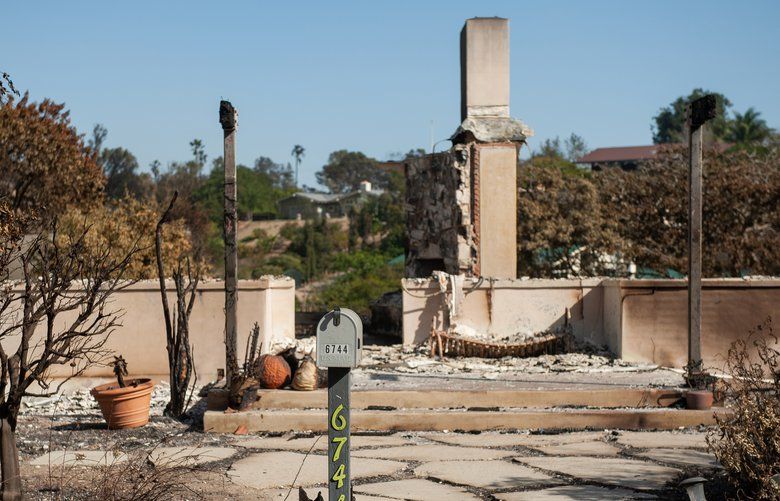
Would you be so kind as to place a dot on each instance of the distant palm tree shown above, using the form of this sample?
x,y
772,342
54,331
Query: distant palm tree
x,y
748,128
298,152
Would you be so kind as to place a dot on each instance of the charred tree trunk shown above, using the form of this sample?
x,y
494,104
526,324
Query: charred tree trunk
x,y
9,456
177,324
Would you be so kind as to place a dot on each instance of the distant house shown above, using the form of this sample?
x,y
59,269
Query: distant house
x,y
309,205
625,157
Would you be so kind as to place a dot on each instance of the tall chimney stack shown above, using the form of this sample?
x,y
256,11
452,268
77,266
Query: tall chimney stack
x,y
484,67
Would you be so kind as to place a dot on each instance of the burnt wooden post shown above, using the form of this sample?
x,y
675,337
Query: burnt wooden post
x,y
699,112
339,348
227,117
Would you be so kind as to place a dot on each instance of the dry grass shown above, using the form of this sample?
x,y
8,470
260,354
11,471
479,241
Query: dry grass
x,y
129,475
747,442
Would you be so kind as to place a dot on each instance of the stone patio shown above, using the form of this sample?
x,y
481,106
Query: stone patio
x,y
457,466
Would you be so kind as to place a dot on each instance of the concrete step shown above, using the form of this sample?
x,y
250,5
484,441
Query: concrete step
x,y
461,399
448,419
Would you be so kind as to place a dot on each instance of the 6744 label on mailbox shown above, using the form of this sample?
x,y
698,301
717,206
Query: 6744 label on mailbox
x,y
336,348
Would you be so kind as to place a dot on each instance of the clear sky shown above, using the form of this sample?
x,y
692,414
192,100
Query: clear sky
x,y
377,77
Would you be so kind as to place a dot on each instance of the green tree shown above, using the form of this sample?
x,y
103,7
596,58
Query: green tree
x,y
367,276
669,124
256,192
346,169
551,155
572,148
380,222
747,128
281,175
316,242
99,134
550,147
298,153
576,147
120,167
198,152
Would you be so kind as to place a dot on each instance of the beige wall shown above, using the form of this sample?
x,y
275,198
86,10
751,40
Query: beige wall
x,y
141,338
655,317
525,306
639,320
497,210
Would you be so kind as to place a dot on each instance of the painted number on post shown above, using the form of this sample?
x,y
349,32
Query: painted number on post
x,y
338,422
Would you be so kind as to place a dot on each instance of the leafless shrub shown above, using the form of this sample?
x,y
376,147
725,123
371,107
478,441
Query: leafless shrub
x,y
60,314
186,276
747,442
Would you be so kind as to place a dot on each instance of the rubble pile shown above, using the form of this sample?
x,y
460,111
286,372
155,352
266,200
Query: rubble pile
x,y
81,403
417,360
301,347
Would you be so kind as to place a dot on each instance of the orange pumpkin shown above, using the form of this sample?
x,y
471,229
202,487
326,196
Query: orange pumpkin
x,y
273,371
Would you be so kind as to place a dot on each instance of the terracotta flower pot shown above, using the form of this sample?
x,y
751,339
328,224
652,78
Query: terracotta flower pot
x,y
126,407
699,400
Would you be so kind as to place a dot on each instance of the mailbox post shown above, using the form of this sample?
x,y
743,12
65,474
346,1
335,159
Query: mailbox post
x,y
339,348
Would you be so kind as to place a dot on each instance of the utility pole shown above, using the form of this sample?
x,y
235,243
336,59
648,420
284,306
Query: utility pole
x,y
228,120
699,112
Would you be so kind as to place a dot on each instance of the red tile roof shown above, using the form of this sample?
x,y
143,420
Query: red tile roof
x,y
620,154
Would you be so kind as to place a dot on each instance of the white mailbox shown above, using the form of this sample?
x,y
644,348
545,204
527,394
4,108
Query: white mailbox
x,y
339,339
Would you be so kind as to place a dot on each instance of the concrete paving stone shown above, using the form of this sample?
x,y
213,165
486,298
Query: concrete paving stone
x,y
432,452
281,494
284,443
303,444
180,456
573,493
278,469
511,439
595,448
79,458
485,474
415,489
663,440
620,472
361,441
685,457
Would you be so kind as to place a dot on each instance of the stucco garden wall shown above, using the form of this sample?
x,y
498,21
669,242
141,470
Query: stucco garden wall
x,y
639,320
141,338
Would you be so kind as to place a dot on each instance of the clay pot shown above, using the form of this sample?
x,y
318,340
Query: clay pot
x,y
273,371
699,400
126,407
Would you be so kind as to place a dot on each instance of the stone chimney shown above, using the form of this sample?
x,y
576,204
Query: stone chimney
x,y
484,68
462,204
493,139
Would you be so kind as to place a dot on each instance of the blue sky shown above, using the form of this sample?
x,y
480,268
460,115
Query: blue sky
x,y
378,77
